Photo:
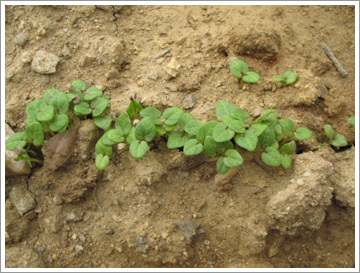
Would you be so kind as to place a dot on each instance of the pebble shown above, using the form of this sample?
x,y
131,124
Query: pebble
x,y
109,231
154,77
141,249
189,229
142,240
300,182
57,199
44,62
189,102
20,39
72,217
172,68
78,248
162,53
22,199
26,57
172,87
82,238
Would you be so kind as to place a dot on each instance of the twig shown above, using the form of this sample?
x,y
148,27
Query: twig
x,y
334,60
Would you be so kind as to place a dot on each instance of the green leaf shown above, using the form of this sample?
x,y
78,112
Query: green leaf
x,y
31,120
101,162
251,77
100,148
103,122
100,105
303,133
116,135
339,141
82,109
172,115
223,108
34,107
60,103
150,112
221,167
45,114
248,142
50,93
192,147
233,158
267,138
59,123
271,157
285,161
288,148
205,130
35,134
123,122
234,124
221,133
93,93
290,77
267,117
257,128
145,130
177,140
280,79
131,136
211,147
133,109
329,131
16,140
185,118
193,126
70,97
288,126
106,140
78,85
352,121
160,131
24,156
239,114
170,128
138,148
278,132
238,68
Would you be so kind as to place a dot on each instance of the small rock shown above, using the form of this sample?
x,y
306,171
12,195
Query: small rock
x,y
71,217
57,199
140,83
171,87
162,53
22,199
154,77
78,248
189,229
26,57
172,68
109,231
142,240
66,53
189,102
300,182
44,62
82,238
20,39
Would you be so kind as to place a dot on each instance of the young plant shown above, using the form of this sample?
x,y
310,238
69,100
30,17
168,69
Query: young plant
x,y
336,140
288,77
352,120
241,71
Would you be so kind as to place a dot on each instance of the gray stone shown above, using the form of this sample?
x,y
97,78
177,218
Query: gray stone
x,y
142,240
20,39
72,217
22,199
78,248
172,87
189,229
189,102
162,53
109,231
44,62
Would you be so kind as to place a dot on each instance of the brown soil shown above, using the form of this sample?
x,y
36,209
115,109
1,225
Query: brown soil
x,y
163,211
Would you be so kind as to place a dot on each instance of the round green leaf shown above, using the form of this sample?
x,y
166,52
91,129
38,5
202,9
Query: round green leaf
x,y
82,109
185,118
290,77
238,68
278,132
100,148
205,130
288,148
106,140
138,148
59,122
210,146
223,108
280,79
60,103
35,134
268,117
192,147
233,158
339,141
103,122
176,140
248,142
93,93
131,136
221,133
50,93
160,131
234,124
267,138
116,135
288,126
150,112
34,107
45,114
123,122
101,162
251,77
145,129
99,105
285,161
303,133
329,131
16,140
257,128
31,120
193,126
221,167
271,157
239,114
78,85
172,115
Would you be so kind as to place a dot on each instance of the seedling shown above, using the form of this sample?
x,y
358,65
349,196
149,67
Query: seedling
x,y
241,71
288,77
352,121
336,140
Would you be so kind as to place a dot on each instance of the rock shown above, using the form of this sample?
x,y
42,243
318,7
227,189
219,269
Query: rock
x,y
20,39
172,68
142,240
22,199
72,217
109,231
188,102
78,248
26,57
162,53
44,62
171,87
189,229
13,167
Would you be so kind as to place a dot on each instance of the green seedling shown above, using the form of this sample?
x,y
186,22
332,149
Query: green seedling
x,y
288,77
241,71
352,121
336,140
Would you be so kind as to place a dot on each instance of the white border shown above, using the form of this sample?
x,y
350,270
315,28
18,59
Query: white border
x,y
356,3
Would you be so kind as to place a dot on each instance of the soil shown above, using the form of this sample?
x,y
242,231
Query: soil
x,y
167,210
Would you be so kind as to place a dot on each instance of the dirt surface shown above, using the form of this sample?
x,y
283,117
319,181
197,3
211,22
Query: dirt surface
x,y
166,210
